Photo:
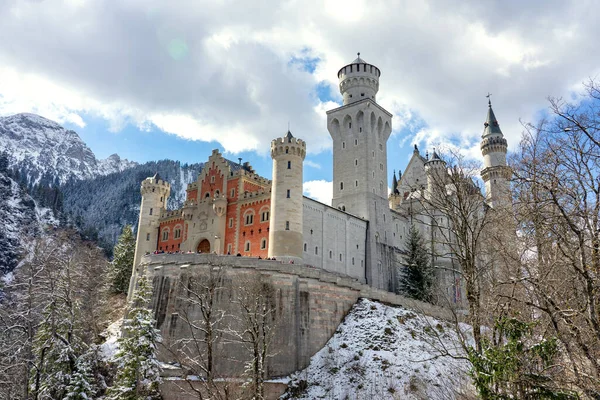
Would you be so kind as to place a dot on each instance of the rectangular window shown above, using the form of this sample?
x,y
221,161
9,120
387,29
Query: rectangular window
x,y
165,235
229,248
232,193
231,222
147,237
264,216
263,244
247,246
150,211
177,233
289,165
288,193
287,225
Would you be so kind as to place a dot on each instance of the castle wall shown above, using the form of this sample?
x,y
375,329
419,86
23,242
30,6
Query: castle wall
x,y
255,232
329,233
171,243
310,304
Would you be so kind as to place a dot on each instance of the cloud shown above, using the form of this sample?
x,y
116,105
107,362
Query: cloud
x,y
319,190
238,72
312,164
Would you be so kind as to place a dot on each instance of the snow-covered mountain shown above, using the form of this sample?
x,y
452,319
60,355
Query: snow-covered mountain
x,y
45,152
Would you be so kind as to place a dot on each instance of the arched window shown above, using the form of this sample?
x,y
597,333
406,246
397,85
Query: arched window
x,y
263,244
165,234
207,195
264,214
217,193
249,217
177,232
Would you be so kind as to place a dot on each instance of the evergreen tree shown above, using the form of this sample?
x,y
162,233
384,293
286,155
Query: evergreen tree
x,y
138,371
120,268
81,386
417,280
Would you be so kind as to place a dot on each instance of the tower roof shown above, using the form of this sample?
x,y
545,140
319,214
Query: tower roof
x,y
359,60
394,184
491,125
289,135
435,156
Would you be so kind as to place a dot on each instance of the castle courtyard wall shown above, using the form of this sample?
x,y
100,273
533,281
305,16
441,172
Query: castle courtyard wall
x,y
310,305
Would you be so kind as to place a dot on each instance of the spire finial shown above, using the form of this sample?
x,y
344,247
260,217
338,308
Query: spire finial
x,y
489,96
358,54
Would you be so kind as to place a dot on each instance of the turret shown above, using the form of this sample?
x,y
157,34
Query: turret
x,y
496,174
359,80
436,171
285,227
155,193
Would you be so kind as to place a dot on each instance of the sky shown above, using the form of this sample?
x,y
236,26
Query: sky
x,y
155,79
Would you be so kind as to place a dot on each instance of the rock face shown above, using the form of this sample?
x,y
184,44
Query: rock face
x,y
46,153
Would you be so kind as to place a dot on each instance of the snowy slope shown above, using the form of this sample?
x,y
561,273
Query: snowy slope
x,y
22,219
383,352
44,151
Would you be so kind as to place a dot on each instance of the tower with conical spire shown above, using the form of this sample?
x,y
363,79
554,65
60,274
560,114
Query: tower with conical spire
x,y
496,174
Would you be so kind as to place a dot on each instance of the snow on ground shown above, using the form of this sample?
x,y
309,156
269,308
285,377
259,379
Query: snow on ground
x,y
383,352
110,346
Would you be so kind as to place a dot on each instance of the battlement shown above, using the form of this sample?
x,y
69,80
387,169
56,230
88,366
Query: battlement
x,y
494,144
169,214
155,184
288,145
255,195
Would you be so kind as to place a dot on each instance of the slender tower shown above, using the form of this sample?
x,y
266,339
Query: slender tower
x,y
360,129
496,174
155,193
285,227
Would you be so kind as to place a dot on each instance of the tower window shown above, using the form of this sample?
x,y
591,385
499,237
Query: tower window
x,y
289,165
343,145
352,260
330,254
288,194
232,192
349,125
356,183
356,162
287,225
264,216
356,140
263,244
147,237
287,151
360,129
362,95
305,246
231,222
341,185
340,256
161,199
151,211
317,250
380,146
212,179
152,190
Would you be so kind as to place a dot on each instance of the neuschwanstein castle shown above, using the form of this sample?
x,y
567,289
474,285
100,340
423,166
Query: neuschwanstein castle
x,y
231,210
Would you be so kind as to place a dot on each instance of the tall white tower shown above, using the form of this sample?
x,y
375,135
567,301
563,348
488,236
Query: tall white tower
x,y
285,226
496,174
155,193
360,130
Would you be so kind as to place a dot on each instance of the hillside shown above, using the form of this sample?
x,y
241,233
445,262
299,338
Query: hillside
x,y
383,352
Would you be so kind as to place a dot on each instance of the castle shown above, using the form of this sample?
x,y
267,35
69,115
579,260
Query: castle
x,y
231,210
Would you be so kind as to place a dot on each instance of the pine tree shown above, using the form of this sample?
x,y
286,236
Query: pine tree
x,y
417,280
138,371
81,386
120,268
